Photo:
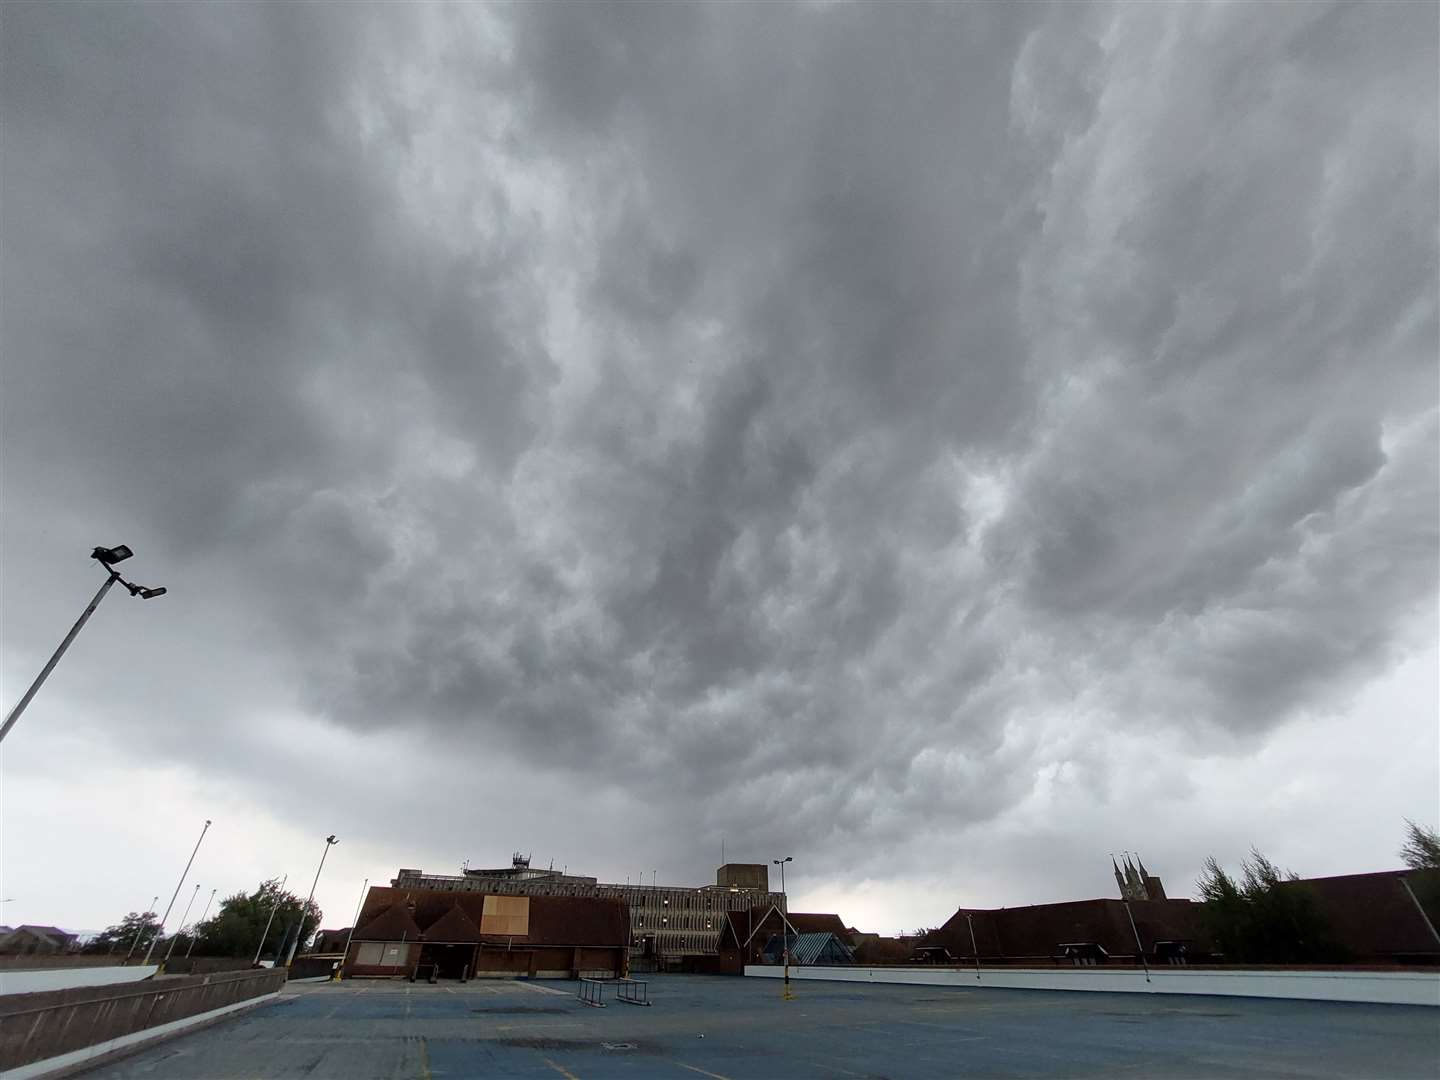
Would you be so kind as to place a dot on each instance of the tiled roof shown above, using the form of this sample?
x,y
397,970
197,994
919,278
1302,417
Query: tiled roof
x,y
554,920
453,926
393,924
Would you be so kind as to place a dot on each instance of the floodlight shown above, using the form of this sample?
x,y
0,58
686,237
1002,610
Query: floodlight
x,y
111,556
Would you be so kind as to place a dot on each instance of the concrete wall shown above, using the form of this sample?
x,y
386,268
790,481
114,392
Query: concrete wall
x,y
1381,987
32,982
45,1031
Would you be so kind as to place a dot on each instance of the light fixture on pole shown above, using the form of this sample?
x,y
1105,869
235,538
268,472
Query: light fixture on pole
x,y
785,921
273,908
330,841
202,920
183,875
106,557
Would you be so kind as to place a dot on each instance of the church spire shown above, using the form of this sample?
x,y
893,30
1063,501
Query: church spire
x,y
1119,880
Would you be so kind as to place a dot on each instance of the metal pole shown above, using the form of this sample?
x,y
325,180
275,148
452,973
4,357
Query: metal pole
x,y
141,928
202,919
55,659
973,947
1420,909
351,936
183,875
266,932
176,938
300,930
1138,945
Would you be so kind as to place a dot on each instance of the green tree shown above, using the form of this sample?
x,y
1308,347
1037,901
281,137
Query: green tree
x,y
235,929
1267,917
118,938
1421,850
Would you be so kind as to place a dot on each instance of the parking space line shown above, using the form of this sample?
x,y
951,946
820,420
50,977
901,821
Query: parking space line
x,y
702,1072
560,1069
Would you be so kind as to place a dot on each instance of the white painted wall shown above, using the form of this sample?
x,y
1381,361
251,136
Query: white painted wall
x,y
1380,987
28,982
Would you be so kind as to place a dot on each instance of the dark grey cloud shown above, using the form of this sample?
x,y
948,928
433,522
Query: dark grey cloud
x,y
823,425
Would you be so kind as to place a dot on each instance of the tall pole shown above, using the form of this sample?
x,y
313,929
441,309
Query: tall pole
x,y
785,922
330,841
353,922
1141,948
973,947
176,936
144,922
266,932
14,714
202,920
183,875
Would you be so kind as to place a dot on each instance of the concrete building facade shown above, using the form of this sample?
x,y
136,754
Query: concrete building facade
x,y
667,922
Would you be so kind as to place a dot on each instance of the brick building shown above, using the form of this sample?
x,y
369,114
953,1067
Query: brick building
x,y
408,933
670,925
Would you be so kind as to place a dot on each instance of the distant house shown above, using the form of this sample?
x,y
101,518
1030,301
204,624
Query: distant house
x,y
28,940
331,942
746,936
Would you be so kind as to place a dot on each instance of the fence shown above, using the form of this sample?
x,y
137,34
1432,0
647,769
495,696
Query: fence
x,y
56,1023
632,991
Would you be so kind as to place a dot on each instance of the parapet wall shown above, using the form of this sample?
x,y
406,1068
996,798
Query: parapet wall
x,y
1378,987
54,1029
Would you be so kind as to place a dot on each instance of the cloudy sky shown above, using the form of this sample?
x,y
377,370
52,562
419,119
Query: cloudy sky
x,y
943,444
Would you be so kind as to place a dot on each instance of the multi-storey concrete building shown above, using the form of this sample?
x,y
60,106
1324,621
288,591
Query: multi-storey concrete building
x,y
667,922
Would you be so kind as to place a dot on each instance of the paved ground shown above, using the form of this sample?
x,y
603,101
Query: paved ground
x,y
739,1029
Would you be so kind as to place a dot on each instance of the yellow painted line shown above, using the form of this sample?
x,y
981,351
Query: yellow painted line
x,y
424,1059
702,1072
560,1069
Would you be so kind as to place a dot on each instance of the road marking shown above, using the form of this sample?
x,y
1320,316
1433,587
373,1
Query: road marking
x,y
702,1072
541,989
560,1069
424,1059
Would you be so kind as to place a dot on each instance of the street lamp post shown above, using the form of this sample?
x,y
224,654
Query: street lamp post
x,y
107,557
176,936
785,919
183,875
266,932
144,922
202,920
330,841
351,936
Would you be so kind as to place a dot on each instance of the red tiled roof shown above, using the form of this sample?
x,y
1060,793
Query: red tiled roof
x,y
395,923
453,926
554,920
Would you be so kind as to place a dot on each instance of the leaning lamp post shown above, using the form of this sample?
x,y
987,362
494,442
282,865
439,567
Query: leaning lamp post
x,y
106,557
330,841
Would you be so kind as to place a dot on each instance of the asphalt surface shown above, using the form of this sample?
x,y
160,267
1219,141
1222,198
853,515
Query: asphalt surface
x,y
740,1029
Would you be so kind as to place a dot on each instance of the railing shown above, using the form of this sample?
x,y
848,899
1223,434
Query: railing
x,y
592,992
632,991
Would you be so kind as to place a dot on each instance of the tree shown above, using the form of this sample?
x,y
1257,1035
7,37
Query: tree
x,y
1267,917
120,937
1421,850
235,930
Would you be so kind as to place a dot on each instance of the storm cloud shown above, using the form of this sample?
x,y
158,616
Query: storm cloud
x,y
826,426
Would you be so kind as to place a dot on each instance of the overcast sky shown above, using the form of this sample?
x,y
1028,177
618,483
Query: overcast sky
x,y
943,444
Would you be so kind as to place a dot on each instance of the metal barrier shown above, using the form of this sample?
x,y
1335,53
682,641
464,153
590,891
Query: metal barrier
x,y
592,992
632,991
